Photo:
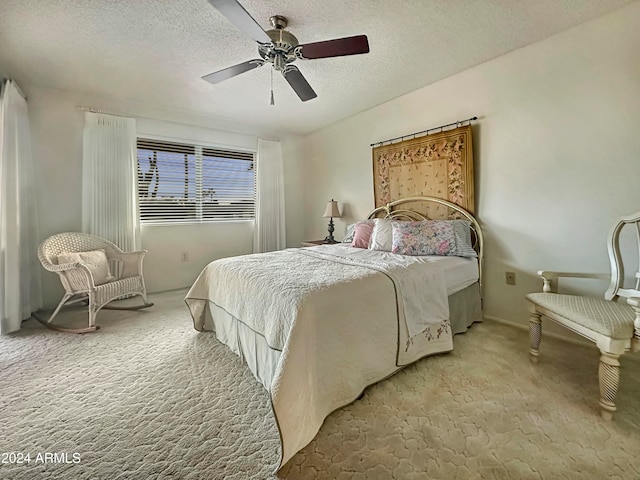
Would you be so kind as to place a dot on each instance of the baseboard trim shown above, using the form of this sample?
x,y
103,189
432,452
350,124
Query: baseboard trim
x,y
557,336
169,290
574,341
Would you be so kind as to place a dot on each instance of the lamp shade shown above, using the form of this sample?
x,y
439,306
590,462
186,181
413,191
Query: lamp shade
x,y
332,210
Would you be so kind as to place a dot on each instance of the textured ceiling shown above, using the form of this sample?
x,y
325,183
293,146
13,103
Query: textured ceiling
x,y
154,52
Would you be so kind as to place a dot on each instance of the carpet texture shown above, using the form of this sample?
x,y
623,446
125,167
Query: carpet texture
x,y
147,397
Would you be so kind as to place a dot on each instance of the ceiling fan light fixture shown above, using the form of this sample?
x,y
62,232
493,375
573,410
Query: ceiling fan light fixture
x,y
280,48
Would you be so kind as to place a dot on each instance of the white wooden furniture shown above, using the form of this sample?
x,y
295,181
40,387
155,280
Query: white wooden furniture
x,y
80,278
612,322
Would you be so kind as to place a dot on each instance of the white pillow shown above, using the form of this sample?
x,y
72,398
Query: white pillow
x,y
95,260
348,236
382,235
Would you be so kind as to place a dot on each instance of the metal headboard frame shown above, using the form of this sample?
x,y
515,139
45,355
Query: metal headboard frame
x,y
390,210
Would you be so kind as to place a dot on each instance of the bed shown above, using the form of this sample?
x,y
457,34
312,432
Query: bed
x,y
318,325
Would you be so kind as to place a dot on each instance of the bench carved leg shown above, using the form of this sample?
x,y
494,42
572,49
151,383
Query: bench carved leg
x,y
609,377
535,335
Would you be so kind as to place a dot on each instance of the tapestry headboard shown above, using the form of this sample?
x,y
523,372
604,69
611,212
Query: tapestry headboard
x,y
436,165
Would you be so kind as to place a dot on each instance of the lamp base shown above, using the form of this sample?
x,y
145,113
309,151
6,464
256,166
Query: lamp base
x,y
329,238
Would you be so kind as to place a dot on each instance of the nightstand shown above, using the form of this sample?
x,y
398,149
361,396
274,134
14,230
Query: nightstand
x,y
313,243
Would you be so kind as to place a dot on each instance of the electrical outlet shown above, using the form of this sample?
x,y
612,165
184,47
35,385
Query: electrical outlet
x,y
510,277
184,256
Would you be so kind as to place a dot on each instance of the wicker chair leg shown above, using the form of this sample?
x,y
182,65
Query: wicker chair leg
x,y
145,304
609,378
47,323
93,310
535,335
60,305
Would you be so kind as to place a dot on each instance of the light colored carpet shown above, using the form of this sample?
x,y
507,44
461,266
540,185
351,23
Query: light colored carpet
x,y
147,397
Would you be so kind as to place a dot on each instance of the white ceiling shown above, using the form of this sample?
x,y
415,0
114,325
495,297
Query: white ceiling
x,y
154,52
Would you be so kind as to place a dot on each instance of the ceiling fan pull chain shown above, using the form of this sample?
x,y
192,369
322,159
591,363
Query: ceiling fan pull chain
x,y
272,101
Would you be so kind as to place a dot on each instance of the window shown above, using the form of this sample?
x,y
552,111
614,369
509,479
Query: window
x,y
182,183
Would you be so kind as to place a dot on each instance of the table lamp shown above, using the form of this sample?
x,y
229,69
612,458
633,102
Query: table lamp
x,y
331,212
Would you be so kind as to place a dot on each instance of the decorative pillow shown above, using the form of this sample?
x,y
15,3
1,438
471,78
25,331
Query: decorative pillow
x,y
95,260
348,236
433,237
382,235
362,234
462,230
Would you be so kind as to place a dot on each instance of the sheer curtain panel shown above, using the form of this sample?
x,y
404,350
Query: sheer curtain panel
x,y
269,231
20,291
109,186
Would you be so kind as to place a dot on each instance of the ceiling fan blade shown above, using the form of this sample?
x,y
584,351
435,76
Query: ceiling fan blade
x,y
298,83
335,48
237,15
220,75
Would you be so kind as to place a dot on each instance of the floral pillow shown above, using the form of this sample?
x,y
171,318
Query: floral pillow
x,y
432,237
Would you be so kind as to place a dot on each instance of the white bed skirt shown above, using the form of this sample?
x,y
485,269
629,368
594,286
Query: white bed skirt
x,y
465,308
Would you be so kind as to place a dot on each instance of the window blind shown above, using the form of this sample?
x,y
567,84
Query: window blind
x,y
186,183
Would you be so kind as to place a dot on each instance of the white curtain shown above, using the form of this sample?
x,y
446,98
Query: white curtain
x,y
109,185
20,290
269,232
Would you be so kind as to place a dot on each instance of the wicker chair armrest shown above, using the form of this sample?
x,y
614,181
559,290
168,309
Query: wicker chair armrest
x,y
548,276
52,267
80,278
131,263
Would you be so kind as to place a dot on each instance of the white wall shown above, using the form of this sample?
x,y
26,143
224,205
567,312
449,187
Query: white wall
x,y
556,152
57,125
294,160
164,269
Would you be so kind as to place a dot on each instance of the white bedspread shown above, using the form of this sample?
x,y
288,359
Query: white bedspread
x,y
339,319
420,287
245,288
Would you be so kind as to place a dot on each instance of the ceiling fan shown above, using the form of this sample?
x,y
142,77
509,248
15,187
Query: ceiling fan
x,y
280,48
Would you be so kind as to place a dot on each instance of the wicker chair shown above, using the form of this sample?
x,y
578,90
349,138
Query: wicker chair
x,y
614,326
119,277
